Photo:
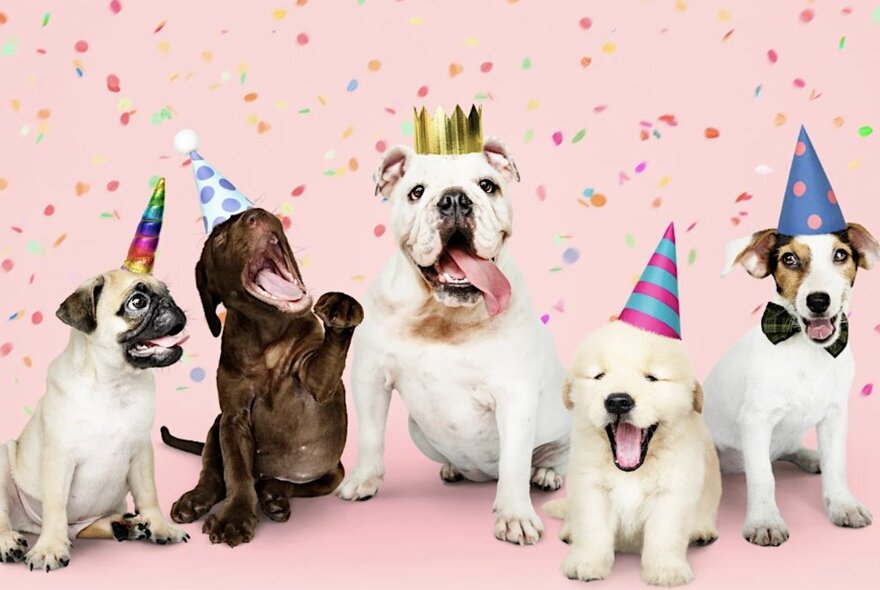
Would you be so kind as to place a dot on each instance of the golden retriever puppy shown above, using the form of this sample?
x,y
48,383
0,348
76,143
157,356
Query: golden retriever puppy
x,y
644,473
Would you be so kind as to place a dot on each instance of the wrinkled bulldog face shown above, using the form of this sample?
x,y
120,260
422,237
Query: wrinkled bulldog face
x,y
451,217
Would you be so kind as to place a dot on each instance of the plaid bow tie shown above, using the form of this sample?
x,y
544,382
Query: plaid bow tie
x,y
779,325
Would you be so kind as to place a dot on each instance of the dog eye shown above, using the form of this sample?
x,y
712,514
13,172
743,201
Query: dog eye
x,y
487,186
790,260
416,193
650,378
599,376
841,255
137,302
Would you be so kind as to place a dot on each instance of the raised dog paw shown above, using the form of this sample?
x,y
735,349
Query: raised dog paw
x,y
233,526
848,513
357,487
165,533
668,574
12,547
130,528
766,532
585,568
450,474
522,527
48,555
339,311
192,506
546,479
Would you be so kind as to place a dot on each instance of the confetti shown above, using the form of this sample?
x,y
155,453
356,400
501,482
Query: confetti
x,y
806,15
842,43
579,136
598,200
279,14
197,374
585,23
298,191
5,349
36,318
779,120
798,83
641,167
586,61
379,231
541,192
7,265
545,318
743,197
772,56
3,184
527,63
352,86
9,48
629,240
113,83
867,390
302,39
455,70
45,21
82,188
250,97
865,131
115,6
557,137
692,256
609,47
81,46
422,92
373,65
486,67
570,255
763,169
711,133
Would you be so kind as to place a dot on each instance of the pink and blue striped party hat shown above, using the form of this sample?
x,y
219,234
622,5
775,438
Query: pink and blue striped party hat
x,y
653,305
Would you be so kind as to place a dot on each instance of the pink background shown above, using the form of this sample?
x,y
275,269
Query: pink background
x,y
700,62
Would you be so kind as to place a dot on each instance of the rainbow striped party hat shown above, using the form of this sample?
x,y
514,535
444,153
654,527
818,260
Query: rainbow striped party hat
x,y
142,252
653,305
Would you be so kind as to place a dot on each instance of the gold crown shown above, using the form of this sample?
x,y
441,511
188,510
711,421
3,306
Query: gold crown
x,y
449,136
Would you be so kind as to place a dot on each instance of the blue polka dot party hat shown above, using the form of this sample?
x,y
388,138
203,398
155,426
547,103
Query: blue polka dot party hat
x,y
219,198
810,206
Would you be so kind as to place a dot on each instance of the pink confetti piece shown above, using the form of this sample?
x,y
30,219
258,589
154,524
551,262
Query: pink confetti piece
x,y
806,15
302,39
115,6
622,177
743,197
112,185
690,227
557,137
422,92
36,318
867,390
379,230
7,265
559,306
772,56
799,83
381,146
81,46
727,35
298,191
585,23
877,328
544,319
113,83
49,210
641,167
159,27
541,191
486,67
7,348
600,108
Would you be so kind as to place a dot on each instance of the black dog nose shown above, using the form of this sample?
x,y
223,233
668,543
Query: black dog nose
x,y
619,403
818,302
455,203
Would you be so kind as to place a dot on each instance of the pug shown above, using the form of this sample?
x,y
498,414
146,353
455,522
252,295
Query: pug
x,y
87,445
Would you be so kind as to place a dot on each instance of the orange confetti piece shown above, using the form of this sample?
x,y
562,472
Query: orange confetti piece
x,y
43,114
586,61
263,127
250,97
3,184
455,69
82,188
27,362
374,65
353,164
779,120
59,240
711,133
598,200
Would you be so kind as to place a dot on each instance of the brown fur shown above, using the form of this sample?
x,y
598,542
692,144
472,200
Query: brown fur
x,y
788,280
283,416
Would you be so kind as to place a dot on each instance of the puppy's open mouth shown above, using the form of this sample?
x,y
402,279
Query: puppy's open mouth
x,y
820,330
460,271
269,278
158,346
629,444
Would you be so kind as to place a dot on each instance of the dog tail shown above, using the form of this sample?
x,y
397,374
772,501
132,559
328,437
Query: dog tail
x,y
189,446
557,508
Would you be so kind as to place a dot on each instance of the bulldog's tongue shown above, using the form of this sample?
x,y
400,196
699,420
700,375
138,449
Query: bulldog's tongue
x,y
819,329
168,341
628,439
277,286
485,276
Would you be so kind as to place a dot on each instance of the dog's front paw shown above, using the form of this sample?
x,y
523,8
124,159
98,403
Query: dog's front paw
x,y
585,567
129,527
546,479
522,527
192,506
12,547
848,512
565,533
766,532
449,474
359,486
165,533
339,311
704,536
670,574
48,554
234,525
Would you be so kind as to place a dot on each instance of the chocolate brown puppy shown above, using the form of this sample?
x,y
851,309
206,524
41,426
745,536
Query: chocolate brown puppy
x,y
283,422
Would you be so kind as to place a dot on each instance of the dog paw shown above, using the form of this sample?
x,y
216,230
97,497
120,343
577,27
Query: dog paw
x,y
806,459
704,536
276,509
357,487
48,555
339,311
586,568
848,513
233,526
192,506
165,533
565,533
766,532
12,547
522,527
450,474
130,528
668,574
546,479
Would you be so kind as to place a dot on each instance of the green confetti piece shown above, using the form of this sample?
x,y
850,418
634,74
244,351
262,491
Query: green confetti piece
x,y
9,48
556,269
225,76
865,130
527,63
629,240
331,172
34,247
182,388
842,43
579,136
875,15
39,138
692,256
46,18
481,96
406,128
156,118
28,410
304,111
530,133
154,180
165,113
106,215
242,78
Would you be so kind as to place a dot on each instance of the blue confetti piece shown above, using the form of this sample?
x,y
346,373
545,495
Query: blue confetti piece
x,y
352,86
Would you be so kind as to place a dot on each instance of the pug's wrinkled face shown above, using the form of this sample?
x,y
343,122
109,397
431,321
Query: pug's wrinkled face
x,y
633,385
451,217
127,313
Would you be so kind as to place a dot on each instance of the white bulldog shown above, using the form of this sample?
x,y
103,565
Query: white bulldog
x,y
450,326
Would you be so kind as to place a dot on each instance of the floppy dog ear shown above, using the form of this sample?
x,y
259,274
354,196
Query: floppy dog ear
x,y
865,244
566,393
391,169
698,397
79,310
752,252
500,159
210,301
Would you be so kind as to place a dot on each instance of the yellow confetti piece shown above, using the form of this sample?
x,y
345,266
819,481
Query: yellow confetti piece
x,y
471,42
207,56
609,48
681,6
416,20
532,104
16,104
124,104
779,120
242,68
164,46
305,261
281,105
98,160
358,278
838,122
347,133
279,14
854,165
173,76
286,208
663,181
252,119
323,100
723,15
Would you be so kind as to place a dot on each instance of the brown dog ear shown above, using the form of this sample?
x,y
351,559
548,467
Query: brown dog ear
x,y
566,393
79,310
752,252
392,168
210,301
500,159
698,397
865,244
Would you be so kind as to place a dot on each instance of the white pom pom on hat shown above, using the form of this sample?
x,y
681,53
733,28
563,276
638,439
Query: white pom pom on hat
x,y
186,141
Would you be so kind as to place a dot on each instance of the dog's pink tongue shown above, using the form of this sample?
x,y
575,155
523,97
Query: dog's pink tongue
x,y
629,444
819,329
485,276
169,340
278,286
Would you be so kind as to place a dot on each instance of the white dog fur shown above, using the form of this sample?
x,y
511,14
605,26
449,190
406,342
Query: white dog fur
x,y
671,499
762,398
86,446
482,393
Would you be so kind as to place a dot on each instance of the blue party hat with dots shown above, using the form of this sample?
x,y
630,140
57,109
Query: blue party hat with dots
x,y
219,198
810,206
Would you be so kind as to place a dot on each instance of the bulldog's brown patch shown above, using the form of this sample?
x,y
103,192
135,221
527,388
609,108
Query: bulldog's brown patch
x,y
440,323
788,279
